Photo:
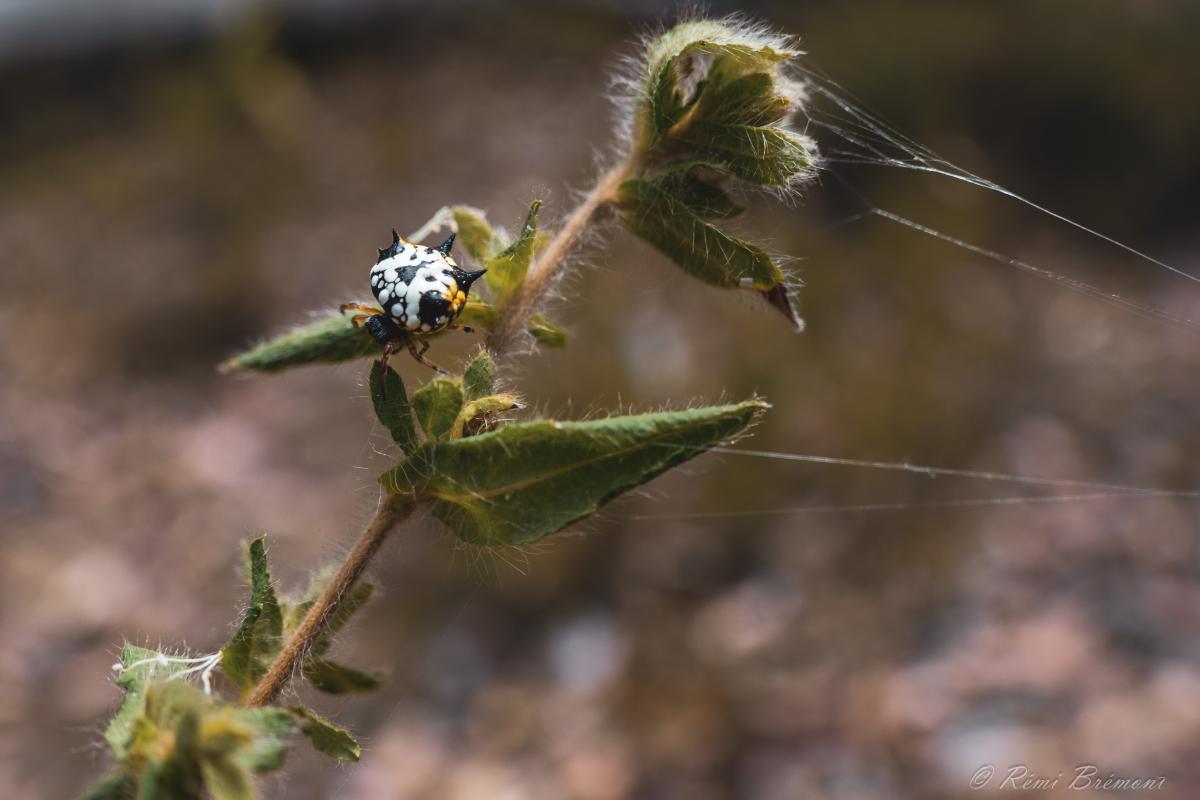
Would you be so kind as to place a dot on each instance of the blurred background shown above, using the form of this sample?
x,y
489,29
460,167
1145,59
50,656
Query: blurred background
x,y
180,179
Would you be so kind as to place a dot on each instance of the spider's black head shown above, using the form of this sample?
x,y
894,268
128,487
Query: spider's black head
x,y
382,329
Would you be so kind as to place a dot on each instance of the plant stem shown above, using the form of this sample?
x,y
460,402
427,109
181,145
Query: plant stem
x,y
550,261
388,516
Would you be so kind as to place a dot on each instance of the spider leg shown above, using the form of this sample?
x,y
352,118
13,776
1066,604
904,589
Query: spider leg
x,y
369,311
463,328
358,319
419,355
388,349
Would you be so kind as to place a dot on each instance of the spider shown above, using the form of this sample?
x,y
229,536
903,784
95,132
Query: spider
x,y
421,291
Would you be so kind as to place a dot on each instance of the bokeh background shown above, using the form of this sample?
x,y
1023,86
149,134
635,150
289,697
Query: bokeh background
x,y
179,179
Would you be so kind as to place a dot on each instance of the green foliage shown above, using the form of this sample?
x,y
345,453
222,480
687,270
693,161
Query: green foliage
x,y
472,413
334,678
479,378
475,234
259,637
325,341
702,249
138,668
436,405
675,61
392,406
507,262
326,737
171,740
546,333
525,481
269,621
714,105
116,785
506,270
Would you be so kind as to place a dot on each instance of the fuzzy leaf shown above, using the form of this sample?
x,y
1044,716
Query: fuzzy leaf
x,y
702,249
766,156
226,780
437,404
270,729
742,99
704,197
116,785
479,379
672,63
478,314
139,668
475,234
392,407
249,654
168,736
478,408
326,341
506,271
525,481
334,678
547,333
326,737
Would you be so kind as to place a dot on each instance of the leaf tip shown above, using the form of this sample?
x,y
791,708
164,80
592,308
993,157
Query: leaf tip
x,y
777,297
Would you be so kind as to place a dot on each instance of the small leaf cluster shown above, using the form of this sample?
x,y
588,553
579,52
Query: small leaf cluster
x,y
712,106
515,483
170,740
269,621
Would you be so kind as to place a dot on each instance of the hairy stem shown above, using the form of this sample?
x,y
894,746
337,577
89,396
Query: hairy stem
x,y
549,263
387,517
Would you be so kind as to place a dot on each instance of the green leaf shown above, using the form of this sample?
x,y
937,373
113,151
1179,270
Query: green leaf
x,y
326,341
525,481
326,737
743,99
169,740
334,678
702,249
258,639
392,407
437,404
226,780
479,379
270,730
547,333
139,667
765,156
506,271
672,64
478,314
116,785
475,234
704,197
479,408
161,779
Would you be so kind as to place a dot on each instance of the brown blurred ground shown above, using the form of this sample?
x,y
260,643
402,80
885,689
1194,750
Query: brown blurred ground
x,y
166,199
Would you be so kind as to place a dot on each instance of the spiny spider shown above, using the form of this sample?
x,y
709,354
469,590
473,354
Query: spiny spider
x,y
421,290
